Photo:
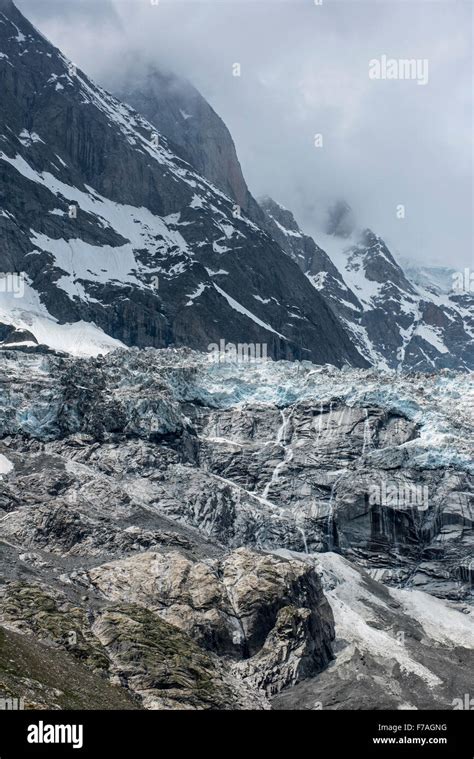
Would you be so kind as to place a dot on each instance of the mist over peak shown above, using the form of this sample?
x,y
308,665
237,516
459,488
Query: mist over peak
x,y
304,71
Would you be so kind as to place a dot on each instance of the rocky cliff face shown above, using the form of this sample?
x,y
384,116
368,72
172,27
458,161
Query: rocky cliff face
x,y
120,239
180,112
189,531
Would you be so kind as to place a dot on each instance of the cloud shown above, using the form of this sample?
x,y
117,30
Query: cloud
x,y
304,71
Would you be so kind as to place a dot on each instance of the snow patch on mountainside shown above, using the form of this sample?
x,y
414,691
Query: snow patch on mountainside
x,y
88,262
78,338
352,605
6,465
432,336
440,622
138,225
374,628
242,310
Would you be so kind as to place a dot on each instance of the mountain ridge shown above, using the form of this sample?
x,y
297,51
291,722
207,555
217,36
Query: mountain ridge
x,y
404,325
396,323
155,254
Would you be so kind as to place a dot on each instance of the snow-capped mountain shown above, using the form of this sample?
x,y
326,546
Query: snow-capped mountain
x,y
404,317
120,239
141,232
395,321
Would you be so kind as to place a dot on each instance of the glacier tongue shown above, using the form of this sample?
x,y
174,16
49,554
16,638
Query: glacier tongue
x,y
252,511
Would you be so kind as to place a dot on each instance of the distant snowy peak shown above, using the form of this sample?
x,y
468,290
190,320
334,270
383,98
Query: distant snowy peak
x,y
372,255
395,321
409,326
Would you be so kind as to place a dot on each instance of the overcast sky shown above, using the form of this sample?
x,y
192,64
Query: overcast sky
x,y
305,71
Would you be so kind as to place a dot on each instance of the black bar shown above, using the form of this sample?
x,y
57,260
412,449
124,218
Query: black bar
x,y
310,733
